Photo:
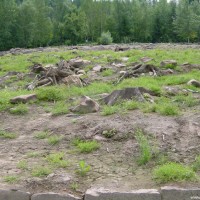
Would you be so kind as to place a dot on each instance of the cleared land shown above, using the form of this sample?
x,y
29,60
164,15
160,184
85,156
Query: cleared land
x,y
130,145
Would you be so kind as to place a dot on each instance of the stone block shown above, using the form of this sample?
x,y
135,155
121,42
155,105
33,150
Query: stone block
x,y
174,193
14,195
103,194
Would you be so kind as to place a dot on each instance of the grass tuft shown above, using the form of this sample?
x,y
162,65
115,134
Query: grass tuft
x,y
41,171
20,109
173,172
145,149
7,135
54,139
57,160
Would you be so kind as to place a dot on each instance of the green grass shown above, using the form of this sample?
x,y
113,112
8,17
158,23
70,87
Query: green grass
x,y
196,164
54,139
22,164
173,172
57,160
86,146
110,110
41,171
107,72
33,154
41,135
7,135
20,109
11,179
83,168
60,108
144,146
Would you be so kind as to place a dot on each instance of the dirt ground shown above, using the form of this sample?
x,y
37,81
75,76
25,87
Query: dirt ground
x,y
113,165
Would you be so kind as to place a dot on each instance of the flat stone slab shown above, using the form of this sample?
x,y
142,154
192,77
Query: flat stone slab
x,y
53,196
174,193
14,195
23,98
103,194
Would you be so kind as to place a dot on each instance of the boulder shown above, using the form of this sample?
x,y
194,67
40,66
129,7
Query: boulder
x,y
86,105
127,94
168,62
23,98
97,68
72,80
77,63
194,82
125,48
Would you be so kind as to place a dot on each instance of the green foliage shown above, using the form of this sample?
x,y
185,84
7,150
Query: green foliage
x,y
145,149
7,135
54,139
57,159
22,164
33,154
196,164
173,172
53,93
109,133
105,38
41,135
60,108
107,72
86,146
41,171
74,186
20,109
109,110
83,168
11,179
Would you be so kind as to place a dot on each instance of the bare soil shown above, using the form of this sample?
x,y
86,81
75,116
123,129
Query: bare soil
x,y
113,165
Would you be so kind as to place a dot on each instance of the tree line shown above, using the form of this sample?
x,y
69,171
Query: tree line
x,y
34,23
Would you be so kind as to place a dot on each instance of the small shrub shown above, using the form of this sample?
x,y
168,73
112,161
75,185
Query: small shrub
x,y
83,168
145,149
7,135
41,171
74,186
105,38
57,160
173,172
109,133
54,139
20,109
11,179
22,164
41,135
86,146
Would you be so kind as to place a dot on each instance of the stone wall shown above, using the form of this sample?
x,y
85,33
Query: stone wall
x,y
165,193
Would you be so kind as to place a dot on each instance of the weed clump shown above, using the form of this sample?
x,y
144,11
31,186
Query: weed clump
x,y
20,109
57,159
145,149
173,172
41,171
7,135
86,146
83,168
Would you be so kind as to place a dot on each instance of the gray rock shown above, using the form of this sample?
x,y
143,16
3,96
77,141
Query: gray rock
x,y
102,194
194,82
53,196
174,193
23,98
168,62
72,80
86,105
97,68
14,195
